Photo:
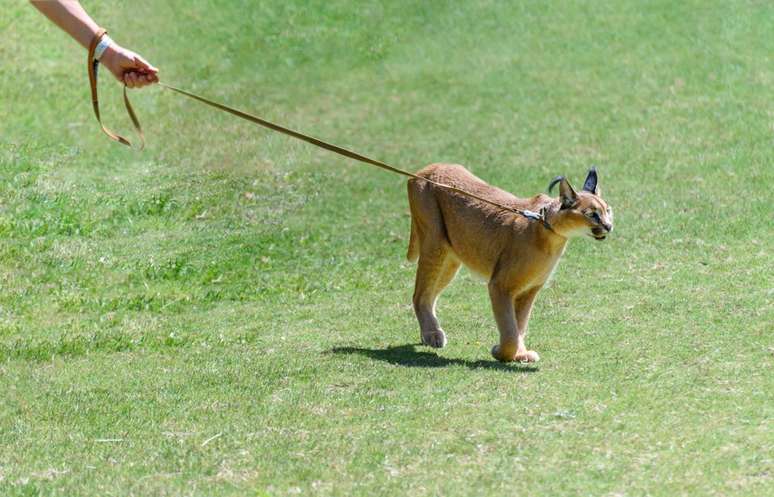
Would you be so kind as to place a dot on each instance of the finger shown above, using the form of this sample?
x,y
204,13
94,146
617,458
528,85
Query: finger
x,y
137,79
130,78
148,79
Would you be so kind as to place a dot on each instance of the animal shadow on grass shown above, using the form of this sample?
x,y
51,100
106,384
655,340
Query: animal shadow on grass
x,y
409,356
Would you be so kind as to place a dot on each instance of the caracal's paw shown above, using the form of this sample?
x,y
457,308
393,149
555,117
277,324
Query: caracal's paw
x,y
435,339
527,356
524,356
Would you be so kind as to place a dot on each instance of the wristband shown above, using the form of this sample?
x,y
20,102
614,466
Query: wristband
x,y
103,44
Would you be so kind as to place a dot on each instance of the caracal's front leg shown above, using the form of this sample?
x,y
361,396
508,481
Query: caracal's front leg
x,y
502,306
523,306
512,316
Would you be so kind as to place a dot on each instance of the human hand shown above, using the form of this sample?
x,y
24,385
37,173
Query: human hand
x,y
128,67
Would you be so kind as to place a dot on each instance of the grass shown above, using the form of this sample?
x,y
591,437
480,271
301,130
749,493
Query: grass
x,y
228,312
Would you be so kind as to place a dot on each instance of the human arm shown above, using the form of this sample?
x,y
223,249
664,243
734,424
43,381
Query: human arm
x,y
127,66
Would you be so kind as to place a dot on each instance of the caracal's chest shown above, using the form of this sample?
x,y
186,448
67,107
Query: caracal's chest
x,y
531,268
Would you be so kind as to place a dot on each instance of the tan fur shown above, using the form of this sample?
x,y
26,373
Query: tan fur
x,y
514,254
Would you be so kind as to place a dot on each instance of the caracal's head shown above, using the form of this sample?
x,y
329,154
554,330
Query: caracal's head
x,y
583,213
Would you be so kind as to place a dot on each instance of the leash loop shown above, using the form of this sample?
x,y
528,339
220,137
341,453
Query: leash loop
x,y
93,68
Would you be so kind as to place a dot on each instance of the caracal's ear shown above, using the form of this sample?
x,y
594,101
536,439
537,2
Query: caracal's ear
x,y
566,193
590,185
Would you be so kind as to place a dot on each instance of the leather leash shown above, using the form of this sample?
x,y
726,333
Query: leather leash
x,y
354,155
93,64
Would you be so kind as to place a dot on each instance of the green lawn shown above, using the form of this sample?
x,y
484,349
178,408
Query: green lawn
x,y
228,312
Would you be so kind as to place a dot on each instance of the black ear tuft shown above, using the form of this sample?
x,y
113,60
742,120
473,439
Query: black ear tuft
x,y
553,183
590,185
566,193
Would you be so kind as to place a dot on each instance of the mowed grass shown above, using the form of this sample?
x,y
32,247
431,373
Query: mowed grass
x,y
228,312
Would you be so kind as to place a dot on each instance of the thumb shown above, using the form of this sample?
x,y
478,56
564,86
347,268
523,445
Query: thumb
x,y
144,65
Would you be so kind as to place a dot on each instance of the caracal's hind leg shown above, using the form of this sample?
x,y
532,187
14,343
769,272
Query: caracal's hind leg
x,y
437,263
437,266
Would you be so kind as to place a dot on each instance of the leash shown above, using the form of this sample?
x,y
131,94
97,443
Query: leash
x,y
93,64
